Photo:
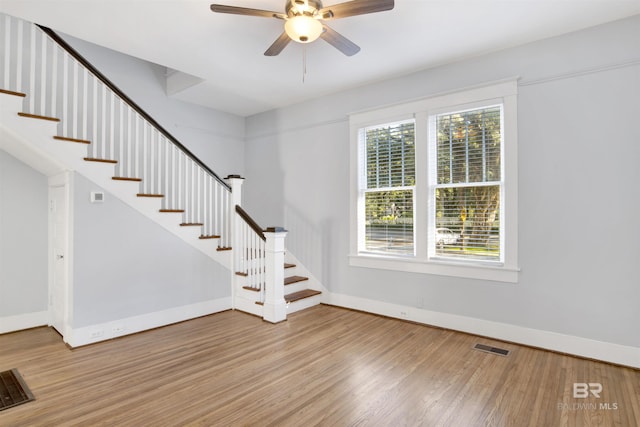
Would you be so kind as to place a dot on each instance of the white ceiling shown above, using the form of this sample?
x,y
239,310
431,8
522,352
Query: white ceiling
x,y
226,51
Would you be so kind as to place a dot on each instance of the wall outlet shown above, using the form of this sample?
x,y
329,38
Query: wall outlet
x,y
96,334
404,314
118,329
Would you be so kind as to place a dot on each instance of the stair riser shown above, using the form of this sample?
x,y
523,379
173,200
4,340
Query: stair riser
x,y
295,287
304,304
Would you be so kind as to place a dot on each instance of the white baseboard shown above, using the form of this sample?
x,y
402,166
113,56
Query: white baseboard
x,y
578,346
131,325
23,321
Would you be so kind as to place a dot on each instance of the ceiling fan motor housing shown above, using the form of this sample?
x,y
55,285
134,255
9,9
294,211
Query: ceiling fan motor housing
x,y
302,7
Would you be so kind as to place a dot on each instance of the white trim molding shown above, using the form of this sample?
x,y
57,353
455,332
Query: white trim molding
x,y
23,321
131,325
569,344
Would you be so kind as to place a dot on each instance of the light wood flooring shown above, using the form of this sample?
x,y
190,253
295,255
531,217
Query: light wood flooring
x,y
324,366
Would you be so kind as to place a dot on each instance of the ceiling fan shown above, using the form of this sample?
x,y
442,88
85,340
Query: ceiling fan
x,y
302,21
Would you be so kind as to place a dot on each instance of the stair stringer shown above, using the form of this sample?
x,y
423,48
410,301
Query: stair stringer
x,y
31,140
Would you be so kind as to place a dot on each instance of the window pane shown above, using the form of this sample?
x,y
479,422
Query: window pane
x,y
390,156
389,221
468,146
468,222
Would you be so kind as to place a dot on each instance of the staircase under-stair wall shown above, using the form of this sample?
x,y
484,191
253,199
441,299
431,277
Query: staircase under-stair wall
x,y
56,107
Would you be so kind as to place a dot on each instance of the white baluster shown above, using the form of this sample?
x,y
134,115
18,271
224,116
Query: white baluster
x,y
66,123
32,68
44,72
92,120
84,108
6,71
113,141
74,99
102,119
19,59
54,79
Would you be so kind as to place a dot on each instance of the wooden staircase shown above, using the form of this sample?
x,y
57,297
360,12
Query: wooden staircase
x,y
93,128
297,293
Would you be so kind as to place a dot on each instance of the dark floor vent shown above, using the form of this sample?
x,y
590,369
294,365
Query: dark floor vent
x,y
13,390
494,350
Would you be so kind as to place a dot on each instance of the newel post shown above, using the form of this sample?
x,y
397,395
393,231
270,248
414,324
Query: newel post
x,y
275,307
235,198
235,182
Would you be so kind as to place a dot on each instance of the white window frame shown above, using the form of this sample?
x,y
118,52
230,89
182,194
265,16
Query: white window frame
x,y
362,190
503,92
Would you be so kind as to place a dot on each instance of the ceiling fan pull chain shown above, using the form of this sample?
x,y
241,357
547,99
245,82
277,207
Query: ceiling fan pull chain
x,y
304,62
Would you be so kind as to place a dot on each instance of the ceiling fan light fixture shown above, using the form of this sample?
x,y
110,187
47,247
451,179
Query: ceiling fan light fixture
x,y
303,28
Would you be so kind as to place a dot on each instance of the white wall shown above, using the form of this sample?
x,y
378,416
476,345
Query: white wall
x,y
124,265
215,137
578,198
23,239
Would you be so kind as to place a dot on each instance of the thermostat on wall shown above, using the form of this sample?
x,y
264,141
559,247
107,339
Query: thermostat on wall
x,y
97,197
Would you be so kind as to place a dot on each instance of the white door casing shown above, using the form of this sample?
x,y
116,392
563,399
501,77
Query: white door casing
x,y
59,253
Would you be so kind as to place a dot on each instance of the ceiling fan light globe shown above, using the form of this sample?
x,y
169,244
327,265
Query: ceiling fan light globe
x,y
303,29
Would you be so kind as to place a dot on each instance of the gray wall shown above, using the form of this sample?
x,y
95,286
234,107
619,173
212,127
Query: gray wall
x,y
126,265
578,109
23,238
215,137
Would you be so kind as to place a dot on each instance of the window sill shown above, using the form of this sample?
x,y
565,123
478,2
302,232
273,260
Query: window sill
x,y
498,273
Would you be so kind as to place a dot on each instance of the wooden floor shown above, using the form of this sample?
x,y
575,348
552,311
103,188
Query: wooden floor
x,y
324,366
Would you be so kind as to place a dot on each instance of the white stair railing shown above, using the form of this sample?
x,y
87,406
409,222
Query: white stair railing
x,y
259,258
249,253
60,84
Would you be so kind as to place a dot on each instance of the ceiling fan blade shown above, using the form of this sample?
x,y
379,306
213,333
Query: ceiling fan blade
x,y
221,8
278,45
355,7
339,41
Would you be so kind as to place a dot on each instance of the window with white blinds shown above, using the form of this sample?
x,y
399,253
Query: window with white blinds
x,y
434,185
466,184
387,187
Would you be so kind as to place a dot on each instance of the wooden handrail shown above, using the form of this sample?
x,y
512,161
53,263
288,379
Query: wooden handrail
x,y
74,53
251,222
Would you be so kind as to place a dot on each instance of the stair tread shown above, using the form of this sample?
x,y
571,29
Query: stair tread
x,y
64,138
36,116
172,210
296,296
149,195
294,279
287,265
94,159
10,92
211,236
126,178
191,224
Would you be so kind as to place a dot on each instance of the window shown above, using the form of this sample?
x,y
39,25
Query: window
x,y
466,184
434,185
388,187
